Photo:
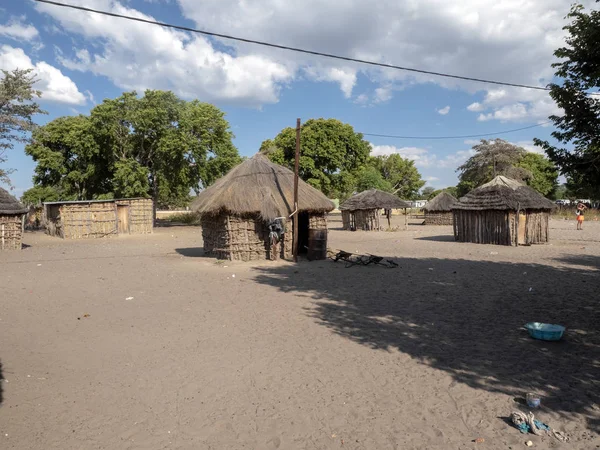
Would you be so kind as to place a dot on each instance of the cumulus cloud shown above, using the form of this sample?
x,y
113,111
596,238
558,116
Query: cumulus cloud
x,y
54,85
17,29
345,77
443,111
423,157
475,107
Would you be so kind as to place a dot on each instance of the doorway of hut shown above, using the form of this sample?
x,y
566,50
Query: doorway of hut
x,y
123,219
303,233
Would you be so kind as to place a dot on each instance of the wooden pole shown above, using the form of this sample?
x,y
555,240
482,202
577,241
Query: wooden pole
x,y
296,165
405,219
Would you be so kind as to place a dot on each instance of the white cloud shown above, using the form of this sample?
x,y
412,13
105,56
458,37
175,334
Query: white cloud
x,y
475,107
422,157
16,28
431,178
382,95
54,85
361,99
530,147
472,141
443,111
344,76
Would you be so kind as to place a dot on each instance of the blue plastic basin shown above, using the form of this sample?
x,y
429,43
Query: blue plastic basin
x,y
545,331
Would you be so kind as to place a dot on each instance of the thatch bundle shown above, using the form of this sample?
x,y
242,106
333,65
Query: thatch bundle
x,y
439,210
259,186
11,221
503,212
373,199
236,210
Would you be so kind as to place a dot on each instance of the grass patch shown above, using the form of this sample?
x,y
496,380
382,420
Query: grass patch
x,y
183,218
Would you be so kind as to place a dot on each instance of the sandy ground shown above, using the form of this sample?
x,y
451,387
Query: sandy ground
x,y
140,342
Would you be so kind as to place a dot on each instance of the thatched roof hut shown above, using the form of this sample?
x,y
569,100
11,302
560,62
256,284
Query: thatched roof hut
x,y
11,221
237,209
362,211
438,211
503,212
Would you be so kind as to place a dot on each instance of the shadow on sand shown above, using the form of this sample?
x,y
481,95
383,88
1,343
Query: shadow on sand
x,y
1,384
192,252
466,317
440,238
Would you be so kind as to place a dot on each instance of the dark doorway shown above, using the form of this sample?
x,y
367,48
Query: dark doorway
x,y
302,233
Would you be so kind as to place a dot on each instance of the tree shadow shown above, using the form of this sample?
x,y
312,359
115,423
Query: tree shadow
x,y
466,318
192,252
1,384
591,261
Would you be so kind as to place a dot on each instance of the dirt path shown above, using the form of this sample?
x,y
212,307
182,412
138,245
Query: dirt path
x,y
179,352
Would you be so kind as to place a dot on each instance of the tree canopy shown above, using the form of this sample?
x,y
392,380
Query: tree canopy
x,y
499,157
156,145
17,108
577,153
332,154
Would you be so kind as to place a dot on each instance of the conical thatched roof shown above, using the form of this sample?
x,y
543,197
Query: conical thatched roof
x,y
373,199
10,205
441,202
259,186
503,194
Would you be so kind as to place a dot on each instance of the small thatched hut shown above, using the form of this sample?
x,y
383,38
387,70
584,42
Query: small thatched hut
x,y
11,221
503,212
363,211
235,212
438,211
98,218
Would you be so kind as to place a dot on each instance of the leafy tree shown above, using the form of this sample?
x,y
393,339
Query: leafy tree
x,y
561,192
544,175
40,194
370,178
579,126
157,145
491,158
17,109
426,192
331,153
401,173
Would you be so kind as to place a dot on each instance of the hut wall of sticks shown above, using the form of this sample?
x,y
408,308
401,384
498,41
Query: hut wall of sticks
x,y
439,210
12,215
98,218
502,212
363,211
237,211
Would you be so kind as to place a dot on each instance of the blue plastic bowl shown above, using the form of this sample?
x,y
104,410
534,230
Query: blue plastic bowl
x,y
545,331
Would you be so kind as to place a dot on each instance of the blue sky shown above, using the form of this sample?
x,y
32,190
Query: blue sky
x,y
83,58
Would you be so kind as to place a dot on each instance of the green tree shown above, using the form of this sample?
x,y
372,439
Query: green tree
x,y
332,153
156,145
401,173
579,126
426,192
17,109
544,175
40,194
370,178
491,158
452,190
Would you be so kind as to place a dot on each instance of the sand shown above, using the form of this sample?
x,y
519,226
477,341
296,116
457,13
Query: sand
x,y
140,342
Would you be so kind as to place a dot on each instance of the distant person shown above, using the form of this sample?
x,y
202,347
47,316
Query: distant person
x,y
579,212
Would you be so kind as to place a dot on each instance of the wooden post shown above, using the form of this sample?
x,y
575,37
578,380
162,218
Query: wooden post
x,y
405,219
295,218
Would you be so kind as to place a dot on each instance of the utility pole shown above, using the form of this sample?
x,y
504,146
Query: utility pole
x,y
295,241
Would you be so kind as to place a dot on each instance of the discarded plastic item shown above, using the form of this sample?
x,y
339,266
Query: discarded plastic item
x,y
545,331
526,423
39,265
493,253
530,289
233,276
529,444
479,440
533,400
129,298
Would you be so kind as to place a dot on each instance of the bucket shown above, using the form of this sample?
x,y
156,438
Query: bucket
x,y
317,244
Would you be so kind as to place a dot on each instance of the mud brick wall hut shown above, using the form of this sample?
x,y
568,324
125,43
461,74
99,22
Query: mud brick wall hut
x,y
11,221
236,210
98,218
502,212
363,211
438,211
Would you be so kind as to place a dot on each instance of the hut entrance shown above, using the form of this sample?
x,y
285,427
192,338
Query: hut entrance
x,y
303,223
522,229
123,218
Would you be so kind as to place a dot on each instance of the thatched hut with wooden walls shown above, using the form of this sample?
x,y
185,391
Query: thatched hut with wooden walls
x,y
503,212
98,218
438,211
12,214
235,212
363,211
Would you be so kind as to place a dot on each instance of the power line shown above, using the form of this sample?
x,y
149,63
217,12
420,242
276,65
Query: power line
x,y
293,49
456,137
